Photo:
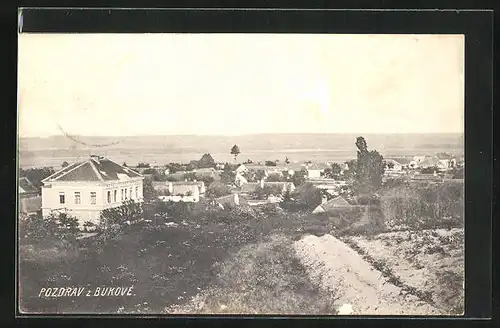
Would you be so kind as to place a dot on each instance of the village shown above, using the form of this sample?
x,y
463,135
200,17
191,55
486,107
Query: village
x,y
73,188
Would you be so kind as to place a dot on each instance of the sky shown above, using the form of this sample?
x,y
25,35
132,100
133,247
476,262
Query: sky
x,y
233,84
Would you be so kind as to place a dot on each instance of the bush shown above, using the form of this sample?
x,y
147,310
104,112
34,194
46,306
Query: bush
x,y
424,206
37,229
218,189
308,195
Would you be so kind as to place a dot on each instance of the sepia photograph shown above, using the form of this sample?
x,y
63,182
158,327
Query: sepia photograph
x,y
241,174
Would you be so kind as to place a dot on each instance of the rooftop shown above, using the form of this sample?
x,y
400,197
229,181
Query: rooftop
x,y
93,169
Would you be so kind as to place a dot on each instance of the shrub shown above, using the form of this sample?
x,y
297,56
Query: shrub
x,y
308,195
37,229
424,206
218,189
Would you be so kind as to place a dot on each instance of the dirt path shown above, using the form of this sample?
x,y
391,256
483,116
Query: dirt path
x,y
358,288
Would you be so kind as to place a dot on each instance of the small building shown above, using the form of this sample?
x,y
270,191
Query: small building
x,y
188,191
240,180
27,189
29,206
84,189
315,170
163,187
241,169
331,205
229,201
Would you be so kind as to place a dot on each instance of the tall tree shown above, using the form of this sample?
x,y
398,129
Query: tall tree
x,y
369,168
235,151
64,164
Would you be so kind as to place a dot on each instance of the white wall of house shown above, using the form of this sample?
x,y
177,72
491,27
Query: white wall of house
x,y
314,173
85,209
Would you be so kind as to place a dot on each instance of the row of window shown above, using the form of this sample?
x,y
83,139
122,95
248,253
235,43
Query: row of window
x,y
125,194
78,197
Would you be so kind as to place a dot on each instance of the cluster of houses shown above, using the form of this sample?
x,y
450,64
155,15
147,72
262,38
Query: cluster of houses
x,y
84,189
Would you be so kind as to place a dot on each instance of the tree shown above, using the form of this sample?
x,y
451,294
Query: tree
x,y
270,163
149,191
206,161
228,175
235,151
333,172
308,195
64,164
299,177
124,164
36,175
369,168
190,176
287,161
218,189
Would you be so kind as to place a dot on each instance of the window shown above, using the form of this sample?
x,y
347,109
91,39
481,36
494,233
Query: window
x,y
137,192
115,192
125,193
62,200
121,193
78,199
130,194
93,198
109,196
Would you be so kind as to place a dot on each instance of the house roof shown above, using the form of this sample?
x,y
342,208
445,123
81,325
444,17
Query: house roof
x,y
249,187
184,188
400,160
26,187
335,202
93,169
229,200
30,205
317,166
430,161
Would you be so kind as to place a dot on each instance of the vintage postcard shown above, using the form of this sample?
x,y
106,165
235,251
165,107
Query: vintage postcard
x,y
280,174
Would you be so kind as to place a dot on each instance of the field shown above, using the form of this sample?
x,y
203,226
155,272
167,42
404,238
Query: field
x,y
427,263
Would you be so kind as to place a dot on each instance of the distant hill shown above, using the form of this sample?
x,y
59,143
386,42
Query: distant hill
x,y
265,142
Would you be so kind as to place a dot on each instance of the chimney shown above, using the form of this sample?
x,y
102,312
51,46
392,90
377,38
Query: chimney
x,y
262,183
170,187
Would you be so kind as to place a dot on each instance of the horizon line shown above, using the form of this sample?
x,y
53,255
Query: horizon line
x,y
237,135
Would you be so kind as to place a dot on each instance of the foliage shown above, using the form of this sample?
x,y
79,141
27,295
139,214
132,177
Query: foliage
x,y
275,177
36,175
235,151
150,171
270,163
424,205
430,170
126,213
206,161
64,164
228,175
37,229
333,172
124,164
458,173
143,165
369,168
190,176
218,189
299,177
149,191
308,195
268,190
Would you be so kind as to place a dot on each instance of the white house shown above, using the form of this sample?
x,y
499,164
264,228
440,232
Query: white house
x,y
240,180
241,169
315,170
188,191
84,189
